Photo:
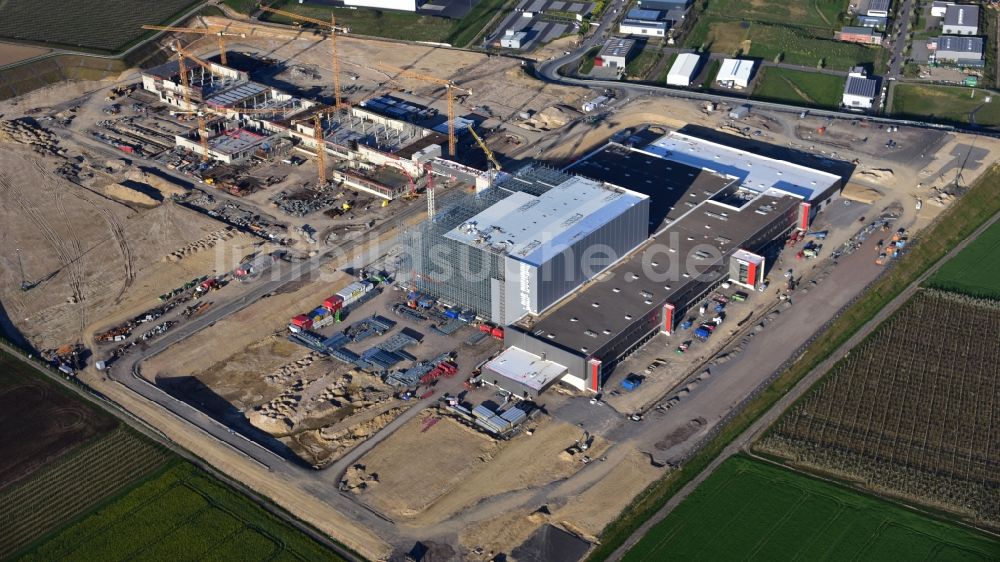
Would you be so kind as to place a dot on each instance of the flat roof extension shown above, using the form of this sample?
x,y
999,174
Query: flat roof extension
x,y
526,368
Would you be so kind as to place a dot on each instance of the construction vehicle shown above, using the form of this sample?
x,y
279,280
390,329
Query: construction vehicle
x,y
449,87
217,31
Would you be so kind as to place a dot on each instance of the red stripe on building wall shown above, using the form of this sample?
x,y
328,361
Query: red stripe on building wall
x,y
804,219
595,375
668,318
752,274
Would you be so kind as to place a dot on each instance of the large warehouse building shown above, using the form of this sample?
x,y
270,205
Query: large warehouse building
x,y
713,207
521,246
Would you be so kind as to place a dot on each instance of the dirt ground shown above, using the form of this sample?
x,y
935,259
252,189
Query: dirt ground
x,y
91,258
369,63
581,137
409,480
11,53
467,468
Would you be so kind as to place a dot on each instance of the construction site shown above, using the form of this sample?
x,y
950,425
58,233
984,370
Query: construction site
x,y
243,245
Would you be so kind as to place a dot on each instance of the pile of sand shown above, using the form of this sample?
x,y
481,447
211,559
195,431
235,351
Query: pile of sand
x,y
23,132
550,118
126,194
861,193
356,479
203,243
877,174
165,187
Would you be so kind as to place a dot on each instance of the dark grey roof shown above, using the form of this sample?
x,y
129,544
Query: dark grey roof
x,y
882,5
957,44
962,14
854,30
861,86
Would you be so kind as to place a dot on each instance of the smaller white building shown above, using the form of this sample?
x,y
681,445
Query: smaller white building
x,y
514,39
735,74
879,8
859,90
643,28
615,53
401,5
683,70
939,8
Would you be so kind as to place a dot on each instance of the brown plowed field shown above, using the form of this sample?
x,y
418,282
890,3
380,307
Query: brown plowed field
x,y
41,422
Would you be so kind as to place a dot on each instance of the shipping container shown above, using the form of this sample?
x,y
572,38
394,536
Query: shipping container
x,y
334,303
451,313
302,321
702,333
497,333
740,296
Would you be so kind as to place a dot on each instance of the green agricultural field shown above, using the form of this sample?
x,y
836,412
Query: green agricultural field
x,y
181,513
799,87
975,270
805,13
87,25
749,509
797,45
946,104
401,25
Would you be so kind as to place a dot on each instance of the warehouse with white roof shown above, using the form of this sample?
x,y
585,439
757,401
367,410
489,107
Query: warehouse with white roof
x,y
527,242
684,69
735,73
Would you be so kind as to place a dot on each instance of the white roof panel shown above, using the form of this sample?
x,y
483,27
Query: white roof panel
x,y
533,228
757,173
526,368
737,70
684,66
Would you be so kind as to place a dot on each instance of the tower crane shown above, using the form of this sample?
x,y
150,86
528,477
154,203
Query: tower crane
x,y
217,31
334,29
495,168
449,89
186,92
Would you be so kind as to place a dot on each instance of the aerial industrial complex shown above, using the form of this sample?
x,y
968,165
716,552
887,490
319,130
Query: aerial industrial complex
x,y
444,302
671,221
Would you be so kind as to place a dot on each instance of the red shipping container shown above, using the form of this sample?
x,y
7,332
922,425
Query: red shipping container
x,y
302,321
334,303
486,328
497,333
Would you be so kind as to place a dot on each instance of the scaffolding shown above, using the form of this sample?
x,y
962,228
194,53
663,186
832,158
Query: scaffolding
x,y
459,274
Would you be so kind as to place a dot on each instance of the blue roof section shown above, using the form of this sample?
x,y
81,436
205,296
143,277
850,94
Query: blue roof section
x,y
640,14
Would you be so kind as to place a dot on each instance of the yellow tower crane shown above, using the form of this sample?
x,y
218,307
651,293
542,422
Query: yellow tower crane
x,y
334,29
217,31
186,93
449,87
495,168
